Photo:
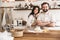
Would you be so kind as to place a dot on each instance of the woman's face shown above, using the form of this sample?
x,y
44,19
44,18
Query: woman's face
x,y
36,10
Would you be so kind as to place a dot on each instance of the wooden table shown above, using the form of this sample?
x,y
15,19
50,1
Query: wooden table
x,y
51,35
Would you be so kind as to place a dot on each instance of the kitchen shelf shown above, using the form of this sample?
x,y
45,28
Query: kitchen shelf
x,y
22,9
31,9
7,7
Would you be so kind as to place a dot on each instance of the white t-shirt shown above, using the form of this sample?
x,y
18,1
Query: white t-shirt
x,y
46,17
31,19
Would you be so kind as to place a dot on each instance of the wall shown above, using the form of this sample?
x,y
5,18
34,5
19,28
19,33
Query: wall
x,y
24,14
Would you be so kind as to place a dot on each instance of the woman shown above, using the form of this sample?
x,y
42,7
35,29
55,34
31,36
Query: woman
x,y
32,17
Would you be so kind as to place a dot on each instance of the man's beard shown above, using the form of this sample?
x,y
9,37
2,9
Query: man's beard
x,y
45,10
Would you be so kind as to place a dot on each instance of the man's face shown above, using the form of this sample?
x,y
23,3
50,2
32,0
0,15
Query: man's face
x,y
45,7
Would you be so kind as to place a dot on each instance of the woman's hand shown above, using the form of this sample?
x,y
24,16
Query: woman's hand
x,y
33,24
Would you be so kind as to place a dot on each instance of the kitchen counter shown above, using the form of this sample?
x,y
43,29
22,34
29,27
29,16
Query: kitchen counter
x,y
50,35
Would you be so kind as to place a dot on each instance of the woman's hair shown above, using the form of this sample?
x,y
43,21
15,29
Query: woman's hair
x,y
32,13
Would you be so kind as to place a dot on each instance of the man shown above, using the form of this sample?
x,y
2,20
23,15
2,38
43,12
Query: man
x,y
45,18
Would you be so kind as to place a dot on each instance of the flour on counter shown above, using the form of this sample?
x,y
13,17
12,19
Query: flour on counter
x,y
6,36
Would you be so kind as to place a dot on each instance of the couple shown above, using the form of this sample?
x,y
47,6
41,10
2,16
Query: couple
x,y
41,19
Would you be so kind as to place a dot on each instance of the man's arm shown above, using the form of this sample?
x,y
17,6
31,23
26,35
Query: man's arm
x,y
51,24
40,23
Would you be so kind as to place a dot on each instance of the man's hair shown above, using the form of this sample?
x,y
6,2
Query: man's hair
x,y
45,3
